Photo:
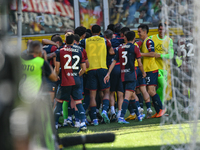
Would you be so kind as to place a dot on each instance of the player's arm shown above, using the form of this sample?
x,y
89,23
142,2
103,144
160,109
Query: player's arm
x,y
48,71
107,77
86,59
57,65
138,56
150,47
44,55
170,54
83,69
49,42
109,47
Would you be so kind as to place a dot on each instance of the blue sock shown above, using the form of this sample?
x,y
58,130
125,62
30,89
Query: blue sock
x,y
156,106
57,111
148,104
90,114
76,114
70,110
141,100
157,100
130,108
135,108
86,102
137,103
124,107
106,104
81,111
93,113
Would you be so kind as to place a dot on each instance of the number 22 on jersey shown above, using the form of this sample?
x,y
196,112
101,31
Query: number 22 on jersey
x,y
73,66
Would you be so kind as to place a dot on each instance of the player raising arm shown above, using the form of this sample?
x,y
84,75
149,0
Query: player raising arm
x,y
126,56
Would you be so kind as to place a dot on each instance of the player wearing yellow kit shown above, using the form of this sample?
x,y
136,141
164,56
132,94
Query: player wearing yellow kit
x,y
96,49
164,52
150,67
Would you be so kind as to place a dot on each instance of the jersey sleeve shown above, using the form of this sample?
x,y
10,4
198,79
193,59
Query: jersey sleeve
x,y
150,45
137,52
85,54
108,44
82,43
117,55
170,54
58,56
46,70
82,58
53,49
139,43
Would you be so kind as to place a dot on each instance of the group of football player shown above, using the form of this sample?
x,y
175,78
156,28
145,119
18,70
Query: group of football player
x,y
100,71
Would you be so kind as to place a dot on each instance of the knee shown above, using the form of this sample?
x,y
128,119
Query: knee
x,y
151,92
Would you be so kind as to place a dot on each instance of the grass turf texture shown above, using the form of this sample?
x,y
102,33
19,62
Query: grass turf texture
x,y
145,135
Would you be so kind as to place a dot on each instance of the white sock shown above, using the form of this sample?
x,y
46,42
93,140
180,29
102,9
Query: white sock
x,y
133,114
82,123
119,113
65,120
112,109
70,118
97,110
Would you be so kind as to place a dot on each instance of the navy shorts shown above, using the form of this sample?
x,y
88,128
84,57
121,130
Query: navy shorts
x,y
115,80
95,80
51,85
64,92
86,91
140,80
129,85
152,78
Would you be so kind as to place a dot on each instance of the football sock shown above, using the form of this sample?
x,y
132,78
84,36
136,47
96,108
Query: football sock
x,y
105,104
141,100
130,107
148,104
86,102
157,100
93,112
76,114
137,103
155,106
135,108
112,109
81,111
65,109
57,111
124,107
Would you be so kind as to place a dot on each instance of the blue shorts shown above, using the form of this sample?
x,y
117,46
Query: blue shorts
x,y
64,92
140,80
115,80
86,91
95,80
129,85
152,78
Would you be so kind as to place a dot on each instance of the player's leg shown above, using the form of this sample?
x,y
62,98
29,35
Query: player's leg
x,y
105,87
78,97
120,96
92,86
162,84
112,106
151,80
65,112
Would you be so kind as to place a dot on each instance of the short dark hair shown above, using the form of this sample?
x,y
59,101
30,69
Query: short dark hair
x,y
144,27
96,28
108,34
69,39
76,37
161,25
124,29
54,35
117,28
89,31
57,38
130,35
87,35
80,30
34,47
111,27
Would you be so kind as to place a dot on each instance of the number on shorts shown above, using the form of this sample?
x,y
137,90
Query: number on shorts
x,y
74,66
124,53
147,80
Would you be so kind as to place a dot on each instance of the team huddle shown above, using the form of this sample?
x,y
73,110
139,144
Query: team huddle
x,y
93,71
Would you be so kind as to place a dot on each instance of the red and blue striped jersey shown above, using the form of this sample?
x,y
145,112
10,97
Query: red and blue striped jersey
x,y
126,55
70,58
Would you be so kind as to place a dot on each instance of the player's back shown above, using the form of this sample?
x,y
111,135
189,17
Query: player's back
x,y
127,56
70,59
96,52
